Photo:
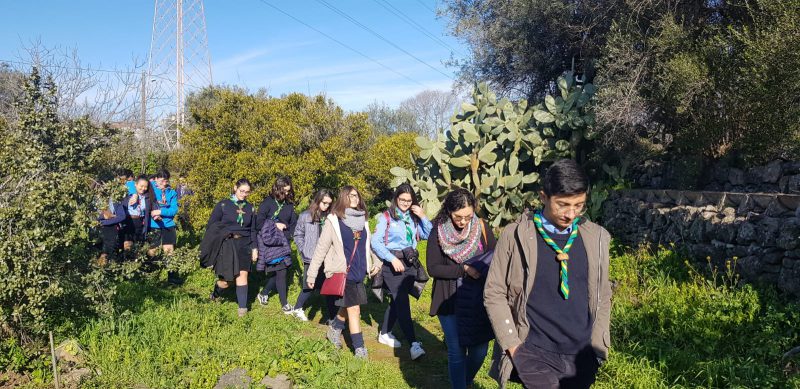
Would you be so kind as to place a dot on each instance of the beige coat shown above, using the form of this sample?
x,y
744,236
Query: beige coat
x,y
510,281
330,251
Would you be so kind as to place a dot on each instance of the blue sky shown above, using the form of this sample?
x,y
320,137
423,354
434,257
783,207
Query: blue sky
x,y
255,46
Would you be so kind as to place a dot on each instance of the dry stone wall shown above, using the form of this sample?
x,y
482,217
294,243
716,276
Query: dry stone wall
x,y
760,230
775,177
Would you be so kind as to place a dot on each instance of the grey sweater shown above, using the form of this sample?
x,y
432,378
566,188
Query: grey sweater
x,y
306,236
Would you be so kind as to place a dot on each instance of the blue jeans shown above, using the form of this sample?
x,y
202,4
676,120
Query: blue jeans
x,y
463,363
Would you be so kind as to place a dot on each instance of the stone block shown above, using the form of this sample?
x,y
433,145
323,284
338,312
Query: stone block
x,y
736,176
754,175
772,172
747,233
749,267
793,184
788,237
792,167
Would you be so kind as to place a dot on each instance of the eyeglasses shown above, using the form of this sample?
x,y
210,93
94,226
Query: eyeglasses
x,y
563,210
353,195
404,201
457,218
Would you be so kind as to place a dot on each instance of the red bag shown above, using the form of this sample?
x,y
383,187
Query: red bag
x,y
334,285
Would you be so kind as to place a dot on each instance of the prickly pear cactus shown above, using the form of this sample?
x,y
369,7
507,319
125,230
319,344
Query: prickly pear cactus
x,y
494,148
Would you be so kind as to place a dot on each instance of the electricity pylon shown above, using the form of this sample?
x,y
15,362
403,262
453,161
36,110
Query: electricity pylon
x,y
178,64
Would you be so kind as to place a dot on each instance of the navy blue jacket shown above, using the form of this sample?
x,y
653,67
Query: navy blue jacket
x,y
272,244
474,326
119,216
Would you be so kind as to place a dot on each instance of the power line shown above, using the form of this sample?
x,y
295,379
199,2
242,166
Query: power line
x,y
40,65
426,6
340,43
381,37
411,22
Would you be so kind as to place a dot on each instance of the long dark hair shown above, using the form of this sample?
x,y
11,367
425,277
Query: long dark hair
x,y
317,214
403,188
457,199
343,202
277,190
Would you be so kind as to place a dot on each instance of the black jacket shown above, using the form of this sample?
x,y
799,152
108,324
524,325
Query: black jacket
x,y
287,216
216,247
445,273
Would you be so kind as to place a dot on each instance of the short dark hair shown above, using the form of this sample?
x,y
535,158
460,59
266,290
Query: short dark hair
x,y
143,177
565,177
163,173
127,173
243,181
458,198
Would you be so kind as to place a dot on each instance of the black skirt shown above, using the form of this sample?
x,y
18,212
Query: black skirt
x,y
133,230
354,294
243,251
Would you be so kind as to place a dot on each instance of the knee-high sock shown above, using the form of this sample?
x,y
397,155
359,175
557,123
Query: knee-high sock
x,y
241,295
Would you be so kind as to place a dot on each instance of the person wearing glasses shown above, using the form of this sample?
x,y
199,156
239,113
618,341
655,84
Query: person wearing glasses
x,y
454,261
343,248
279,207
238,217
306,236
163,230
395,242
547,293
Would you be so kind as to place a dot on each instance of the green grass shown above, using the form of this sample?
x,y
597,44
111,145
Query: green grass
x,y
672,327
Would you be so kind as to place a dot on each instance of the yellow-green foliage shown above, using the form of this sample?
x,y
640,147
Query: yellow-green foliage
x,y
236,134
389,150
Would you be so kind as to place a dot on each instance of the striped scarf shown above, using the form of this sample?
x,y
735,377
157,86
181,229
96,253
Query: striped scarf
x,y
460,246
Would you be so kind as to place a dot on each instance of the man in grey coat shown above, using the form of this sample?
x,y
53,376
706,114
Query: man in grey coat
x,y
547,293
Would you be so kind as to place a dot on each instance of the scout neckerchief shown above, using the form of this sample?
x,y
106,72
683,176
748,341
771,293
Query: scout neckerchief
x,y
406,218
277,211
561,254
163,201
240,211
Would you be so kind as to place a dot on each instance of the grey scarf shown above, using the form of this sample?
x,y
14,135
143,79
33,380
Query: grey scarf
x,y
354,219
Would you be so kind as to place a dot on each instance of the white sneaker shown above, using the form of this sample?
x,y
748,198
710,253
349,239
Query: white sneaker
x,y
298,313
263,298
287,309
416,350
389,340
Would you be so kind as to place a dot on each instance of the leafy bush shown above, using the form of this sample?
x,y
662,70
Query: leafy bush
x,y
235,134
675,325
47,204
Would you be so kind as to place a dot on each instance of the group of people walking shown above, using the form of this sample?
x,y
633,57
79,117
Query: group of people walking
x,y
540,290
145,215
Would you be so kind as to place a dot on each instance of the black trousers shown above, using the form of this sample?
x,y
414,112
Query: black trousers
x,y
539,369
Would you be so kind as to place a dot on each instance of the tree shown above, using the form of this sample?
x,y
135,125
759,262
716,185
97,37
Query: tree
x,y
388,120
431,109
520,46
47,202
696,79
235,134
